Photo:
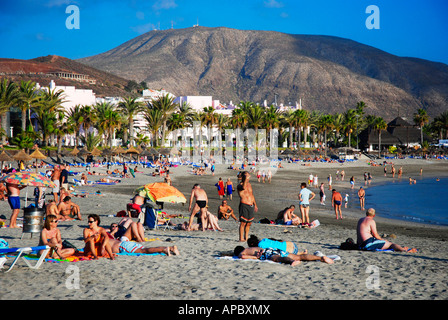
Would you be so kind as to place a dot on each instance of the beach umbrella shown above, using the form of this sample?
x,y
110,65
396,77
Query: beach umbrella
x,y
22,156
132,150
161,192
95,152
74,152
4,157
27,178
37,155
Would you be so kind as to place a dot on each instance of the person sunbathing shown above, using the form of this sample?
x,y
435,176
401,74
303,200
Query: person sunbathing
x,y
51,236
134,247
96,239
257,253
69,209
127,229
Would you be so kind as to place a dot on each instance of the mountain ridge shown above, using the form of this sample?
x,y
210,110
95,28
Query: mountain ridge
x,y
327,73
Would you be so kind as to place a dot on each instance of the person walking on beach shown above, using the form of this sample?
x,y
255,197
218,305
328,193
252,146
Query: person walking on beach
x,y
336,202
352,182
305,196
361,195
247,207
200,196
330,182
220,186
369,239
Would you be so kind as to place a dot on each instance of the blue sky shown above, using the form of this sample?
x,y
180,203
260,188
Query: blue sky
x,y
29,29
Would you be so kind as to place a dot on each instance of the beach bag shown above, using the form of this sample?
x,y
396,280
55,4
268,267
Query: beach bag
x,y
349,244
66,244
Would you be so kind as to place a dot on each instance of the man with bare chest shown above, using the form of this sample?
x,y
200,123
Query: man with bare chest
x,y
14,202
69,209
55,176
247,206
198,194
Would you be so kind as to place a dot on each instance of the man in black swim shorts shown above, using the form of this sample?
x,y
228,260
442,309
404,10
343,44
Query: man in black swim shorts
x,y
201,198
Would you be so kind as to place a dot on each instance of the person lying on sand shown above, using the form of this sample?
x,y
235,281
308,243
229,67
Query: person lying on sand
x,y
369,239
134,247
127,230
266,243
276,255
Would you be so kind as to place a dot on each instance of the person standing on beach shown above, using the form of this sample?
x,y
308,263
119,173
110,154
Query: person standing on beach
x,y
14,202
305,196
200,196
55,176
64,177
247,206
369,239
229,189
330,182
336,202
322,194
361,195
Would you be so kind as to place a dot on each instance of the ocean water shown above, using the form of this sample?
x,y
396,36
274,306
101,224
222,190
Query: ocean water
x,y
424,202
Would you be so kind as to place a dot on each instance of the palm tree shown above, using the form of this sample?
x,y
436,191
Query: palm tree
x,y
130,107
420,119
379,125
209,119
27,97
271,119
338,124
239,118
289,118
441,124
75,119
349,123
46,108
255,118
108,118
325,124
8,97
87,117
166,105
154,117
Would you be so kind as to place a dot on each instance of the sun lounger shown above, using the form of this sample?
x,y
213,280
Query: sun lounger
x,y
19,254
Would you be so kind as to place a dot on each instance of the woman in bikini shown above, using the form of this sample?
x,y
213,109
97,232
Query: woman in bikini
x,y
96,239
51,236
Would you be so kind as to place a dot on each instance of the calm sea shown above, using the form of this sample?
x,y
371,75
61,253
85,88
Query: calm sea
x,y
423,202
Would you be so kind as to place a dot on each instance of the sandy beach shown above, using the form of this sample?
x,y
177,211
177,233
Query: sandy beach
x,y
200,273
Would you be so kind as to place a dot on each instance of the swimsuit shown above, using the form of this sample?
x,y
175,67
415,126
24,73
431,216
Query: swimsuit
x,y
246,212
14,202
372,244
129,246
201,203
229,189
268,253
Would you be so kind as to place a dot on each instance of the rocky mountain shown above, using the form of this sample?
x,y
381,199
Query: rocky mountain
x,y
44,69
328,73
